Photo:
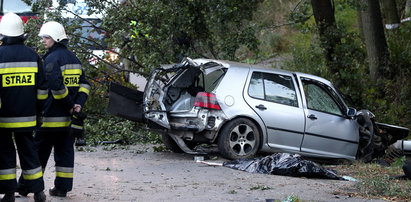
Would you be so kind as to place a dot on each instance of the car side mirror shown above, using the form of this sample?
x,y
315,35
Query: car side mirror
x,y
351,112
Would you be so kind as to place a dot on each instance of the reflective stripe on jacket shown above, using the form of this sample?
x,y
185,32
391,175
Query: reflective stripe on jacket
x,y
17,122
56,122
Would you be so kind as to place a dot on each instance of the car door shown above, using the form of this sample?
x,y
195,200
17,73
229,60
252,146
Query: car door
x,y
274,97
328,130
126,103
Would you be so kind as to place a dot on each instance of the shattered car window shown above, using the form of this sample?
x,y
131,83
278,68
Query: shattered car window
x,y
318,99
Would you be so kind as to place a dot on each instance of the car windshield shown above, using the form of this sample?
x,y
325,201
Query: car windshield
x,y
16,6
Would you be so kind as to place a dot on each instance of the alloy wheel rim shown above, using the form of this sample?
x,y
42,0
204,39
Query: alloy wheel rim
x,y
242,139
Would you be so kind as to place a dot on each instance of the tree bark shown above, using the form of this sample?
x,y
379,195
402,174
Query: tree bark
x,y
323,11
374,37
407,8
390,12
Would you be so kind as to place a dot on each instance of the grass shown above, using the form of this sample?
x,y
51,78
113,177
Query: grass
x,y
375,181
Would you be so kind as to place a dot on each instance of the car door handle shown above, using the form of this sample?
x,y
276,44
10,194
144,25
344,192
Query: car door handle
x,y
260,106
312,116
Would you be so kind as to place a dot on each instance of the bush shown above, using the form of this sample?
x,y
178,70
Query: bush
x,y
109,129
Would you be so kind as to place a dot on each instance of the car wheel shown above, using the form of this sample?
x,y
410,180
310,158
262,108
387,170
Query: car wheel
x,y
366,144
239,138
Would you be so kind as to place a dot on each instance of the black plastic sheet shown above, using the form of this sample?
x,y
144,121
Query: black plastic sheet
x,y
283,164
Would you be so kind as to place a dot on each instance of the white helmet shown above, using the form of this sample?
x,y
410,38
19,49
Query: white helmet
x,y
54,30
11,25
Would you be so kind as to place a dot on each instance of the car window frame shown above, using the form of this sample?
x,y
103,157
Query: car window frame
x,y
210,85
262,73
330,91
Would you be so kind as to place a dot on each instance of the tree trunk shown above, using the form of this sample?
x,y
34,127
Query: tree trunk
x,y
403,8
407,8
390,12
374,37
324,17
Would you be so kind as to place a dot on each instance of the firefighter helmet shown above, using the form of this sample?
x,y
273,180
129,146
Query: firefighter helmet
x,y
54,30
11,25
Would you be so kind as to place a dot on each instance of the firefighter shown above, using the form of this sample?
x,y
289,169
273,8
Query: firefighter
x,y
69,90
22,89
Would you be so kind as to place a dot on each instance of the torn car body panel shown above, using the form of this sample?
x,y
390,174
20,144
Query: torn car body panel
x,y
169,101
126,103
154,108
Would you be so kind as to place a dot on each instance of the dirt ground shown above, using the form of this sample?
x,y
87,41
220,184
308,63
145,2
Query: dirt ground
x,y
139,174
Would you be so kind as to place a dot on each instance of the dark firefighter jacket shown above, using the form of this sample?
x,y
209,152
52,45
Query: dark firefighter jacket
x,y
67,84
22,85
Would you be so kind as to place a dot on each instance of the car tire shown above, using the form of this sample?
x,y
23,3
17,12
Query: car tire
x,y
366,146
239,138
170,143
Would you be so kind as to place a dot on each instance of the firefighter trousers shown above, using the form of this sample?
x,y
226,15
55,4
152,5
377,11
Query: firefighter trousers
x,y
31,173
63,145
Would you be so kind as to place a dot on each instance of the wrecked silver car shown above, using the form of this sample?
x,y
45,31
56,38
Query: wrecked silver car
x,y
244,109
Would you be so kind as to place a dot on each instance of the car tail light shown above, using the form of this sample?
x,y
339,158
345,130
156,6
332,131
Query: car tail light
x,y
206,100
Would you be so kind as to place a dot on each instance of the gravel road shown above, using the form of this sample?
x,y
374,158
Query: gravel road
x,y
139,174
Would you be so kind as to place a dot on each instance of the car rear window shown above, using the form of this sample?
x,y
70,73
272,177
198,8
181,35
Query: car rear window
x,y
211,80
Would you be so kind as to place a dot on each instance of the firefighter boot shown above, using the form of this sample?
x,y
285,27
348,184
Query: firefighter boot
x,y
56,192
9,197
39,197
